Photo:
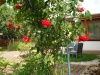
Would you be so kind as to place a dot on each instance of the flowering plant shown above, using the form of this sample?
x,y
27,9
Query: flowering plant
x,y
10,25
18,5
6,25
83,38
26,39
18,27
80,9
46,23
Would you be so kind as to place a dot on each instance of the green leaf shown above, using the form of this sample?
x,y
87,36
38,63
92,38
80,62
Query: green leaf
x,y
81,0
88,14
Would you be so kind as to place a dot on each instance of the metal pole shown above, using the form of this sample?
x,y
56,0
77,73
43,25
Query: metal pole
x,y
67,49
68,58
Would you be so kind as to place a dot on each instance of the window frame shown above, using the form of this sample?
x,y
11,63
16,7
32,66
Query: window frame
x,y
86,23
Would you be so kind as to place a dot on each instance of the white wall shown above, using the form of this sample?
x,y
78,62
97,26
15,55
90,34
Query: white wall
x,y
91,45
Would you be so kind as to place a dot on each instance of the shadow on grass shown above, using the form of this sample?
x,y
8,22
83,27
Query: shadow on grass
x,y
85,57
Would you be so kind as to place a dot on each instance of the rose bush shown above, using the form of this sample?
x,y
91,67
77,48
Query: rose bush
x,y
48,26
6,14
8,26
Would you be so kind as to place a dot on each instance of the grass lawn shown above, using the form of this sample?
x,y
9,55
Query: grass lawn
x,y
85,57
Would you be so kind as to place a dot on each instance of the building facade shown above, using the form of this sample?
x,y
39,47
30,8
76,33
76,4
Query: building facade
x,y
93,27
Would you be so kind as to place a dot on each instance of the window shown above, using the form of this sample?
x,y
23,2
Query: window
x,y
94,29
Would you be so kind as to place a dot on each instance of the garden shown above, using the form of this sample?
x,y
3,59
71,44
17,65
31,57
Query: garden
x,y
39,28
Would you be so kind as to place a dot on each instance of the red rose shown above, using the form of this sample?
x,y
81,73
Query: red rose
x,y
18,28
80,9
86,38
26,39
18,6
11,26
10,21
46,23
80,38
83,38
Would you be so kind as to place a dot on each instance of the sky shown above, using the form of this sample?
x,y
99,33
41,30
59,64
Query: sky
x,y
92,5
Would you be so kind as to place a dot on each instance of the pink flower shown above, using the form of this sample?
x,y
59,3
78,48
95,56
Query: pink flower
x,y
80,9
46,23
26,39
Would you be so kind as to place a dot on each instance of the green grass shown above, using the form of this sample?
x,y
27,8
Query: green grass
x,y
85,57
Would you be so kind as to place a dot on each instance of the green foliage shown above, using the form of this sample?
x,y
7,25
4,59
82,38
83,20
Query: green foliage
x,y
15,67
7,66
13,45
22,46
48,39
3,1
36,65
88,15
3,65
10,47
1,48
81,0
17,45
7,14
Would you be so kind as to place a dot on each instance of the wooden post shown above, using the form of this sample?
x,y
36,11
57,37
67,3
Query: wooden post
x,y
86,25
0,38
0,2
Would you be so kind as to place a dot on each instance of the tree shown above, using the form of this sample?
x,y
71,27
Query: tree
x,y
7,14
47,21
8,20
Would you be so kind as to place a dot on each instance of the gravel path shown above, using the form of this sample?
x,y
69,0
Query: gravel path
x,y
87,63
11,55
15,56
